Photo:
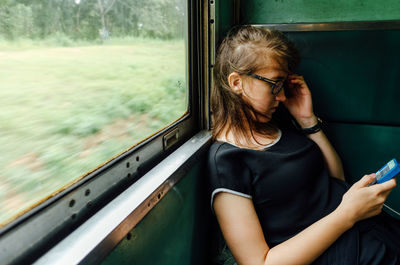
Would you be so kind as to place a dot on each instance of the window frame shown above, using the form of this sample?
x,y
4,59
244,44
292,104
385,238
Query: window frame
x,y
43,226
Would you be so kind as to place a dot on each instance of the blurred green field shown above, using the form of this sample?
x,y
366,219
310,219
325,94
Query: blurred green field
x,y
65,110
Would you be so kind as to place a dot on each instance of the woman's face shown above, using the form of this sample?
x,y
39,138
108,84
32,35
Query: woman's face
x,y
258,93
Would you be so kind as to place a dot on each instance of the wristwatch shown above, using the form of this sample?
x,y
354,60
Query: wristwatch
x,y
313,129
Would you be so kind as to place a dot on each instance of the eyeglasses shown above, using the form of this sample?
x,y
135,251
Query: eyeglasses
x,y
276,85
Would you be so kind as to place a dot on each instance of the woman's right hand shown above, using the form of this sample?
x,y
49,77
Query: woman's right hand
x,y
362,201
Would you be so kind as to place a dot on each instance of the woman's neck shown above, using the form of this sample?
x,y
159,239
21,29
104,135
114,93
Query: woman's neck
x,y
253,139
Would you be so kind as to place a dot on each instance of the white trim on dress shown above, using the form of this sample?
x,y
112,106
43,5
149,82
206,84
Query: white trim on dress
x,y
228,191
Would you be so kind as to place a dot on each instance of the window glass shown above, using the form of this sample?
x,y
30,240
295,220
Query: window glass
x,y
80,82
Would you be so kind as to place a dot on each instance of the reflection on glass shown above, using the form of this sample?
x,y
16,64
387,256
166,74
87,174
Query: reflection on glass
x,y
81,81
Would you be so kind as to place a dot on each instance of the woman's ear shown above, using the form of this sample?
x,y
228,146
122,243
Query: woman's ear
x,y
236,82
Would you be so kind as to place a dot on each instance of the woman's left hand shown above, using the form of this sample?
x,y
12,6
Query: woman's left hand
x,y
299,103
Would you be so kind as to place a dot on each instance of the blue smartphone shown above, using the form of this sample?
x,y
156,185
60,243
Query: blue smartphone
x,y
387,172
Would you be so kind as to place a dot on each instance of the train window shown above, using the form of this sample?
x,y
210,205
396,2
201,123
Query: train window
x,y
81,82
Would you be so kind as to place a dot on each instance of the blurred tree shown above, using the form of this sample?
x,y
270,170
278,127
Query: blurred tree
x,y
84,19
16,21
104,6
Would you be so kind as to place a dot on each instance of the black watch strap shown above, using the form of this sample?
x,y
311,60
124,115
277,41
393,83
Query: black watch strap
x,y
314,129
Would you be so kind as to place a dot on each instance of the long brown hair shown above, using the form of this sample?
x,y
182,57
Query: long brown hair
x,y
242,51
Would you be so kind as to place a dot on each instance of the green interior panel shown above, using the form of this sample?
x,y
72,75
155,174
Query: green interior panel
x,y
297,11
225,12
364,149
174,231
354,75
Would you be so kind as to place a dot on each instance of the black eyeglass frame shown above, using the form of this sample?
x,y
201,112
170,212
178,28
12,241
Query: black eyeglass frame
x,y
276,86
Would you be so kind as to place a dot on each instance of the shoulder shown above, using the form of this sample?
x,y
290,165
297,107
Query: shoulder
x,y
223,154
218,149
227,171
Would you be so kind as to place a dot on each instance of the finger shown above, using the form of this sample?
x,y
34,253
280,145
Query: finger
x,y
298,81
386,186
365,180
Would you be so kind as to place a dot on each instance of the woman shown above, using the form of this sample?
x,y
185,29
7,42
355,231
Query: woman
x,y
278,194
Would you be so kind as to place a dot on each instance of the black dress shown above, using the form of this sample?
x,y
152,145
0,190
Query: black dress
x,y
291,189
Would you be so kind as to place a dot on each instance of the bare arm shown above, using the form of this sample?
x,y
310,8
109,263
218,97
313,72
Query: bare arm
x,y
245,239
331,157
242,230
300,106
